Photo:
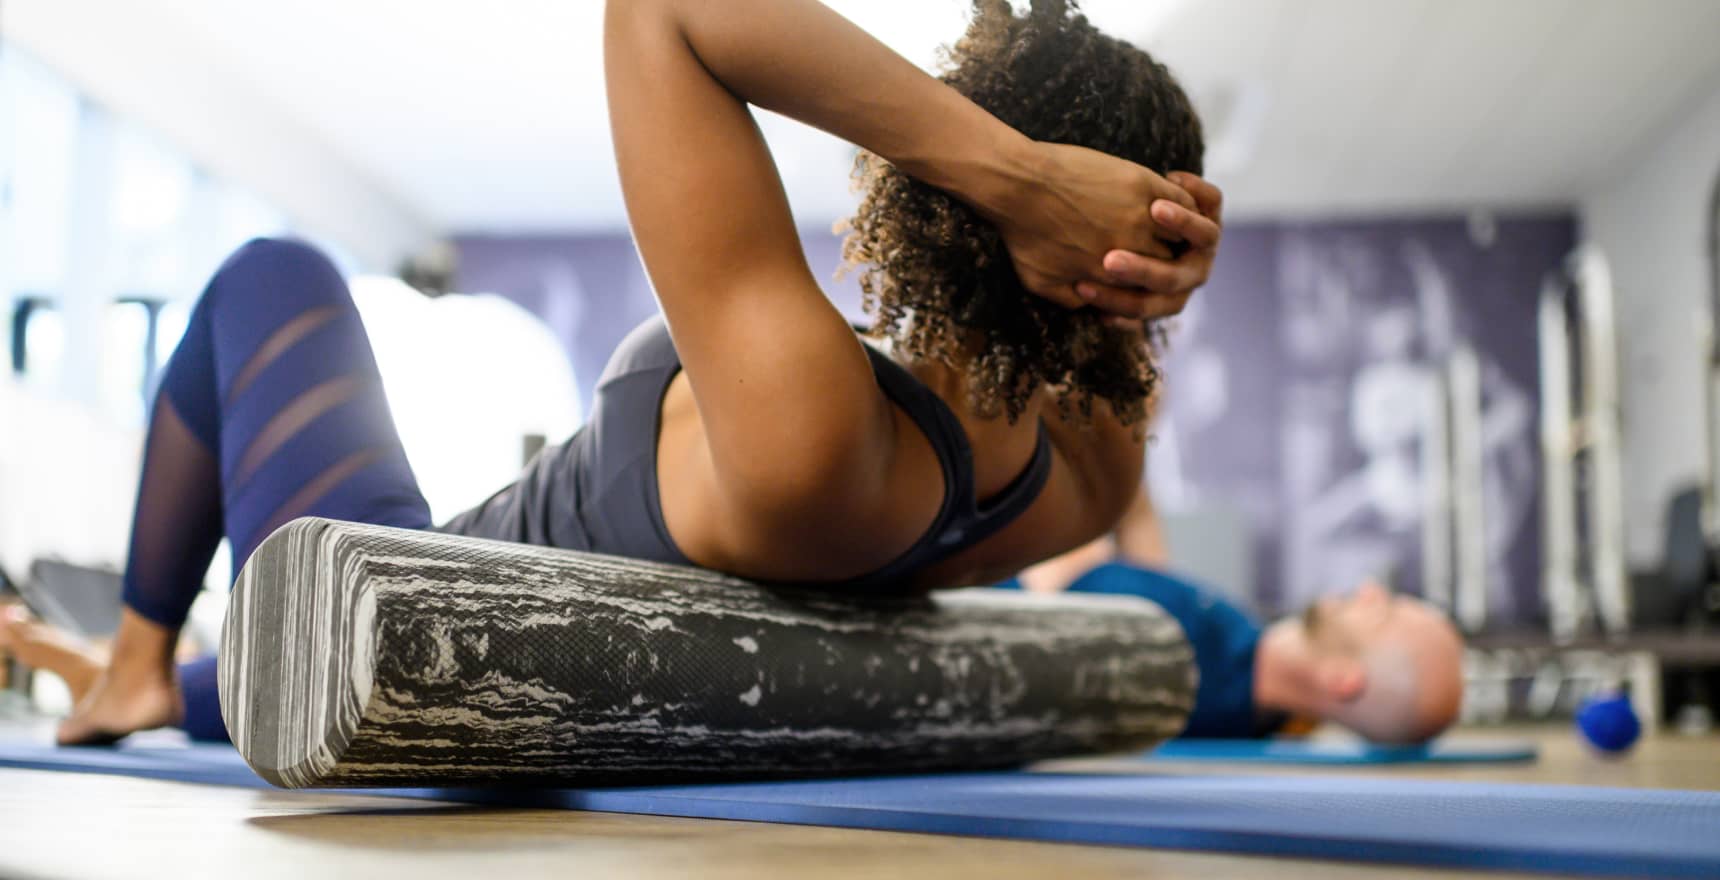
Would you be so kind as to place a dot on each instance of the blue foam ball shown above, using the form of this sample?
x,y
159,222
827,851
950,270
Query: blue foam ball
x,y
1609,723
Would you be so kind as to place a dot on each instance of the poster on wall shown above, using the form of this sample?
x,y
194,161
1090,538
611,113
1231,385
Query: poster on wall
x,y
1299,388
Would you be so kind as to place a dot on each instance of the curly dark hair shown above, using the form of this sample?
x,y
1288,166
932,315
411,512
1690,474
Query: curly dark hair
x,y
937,279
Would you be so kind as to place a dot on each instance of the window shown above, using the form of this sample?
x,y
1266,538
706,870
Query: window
x,y
239,217
38,136
107,234
149,216
38,145
38,341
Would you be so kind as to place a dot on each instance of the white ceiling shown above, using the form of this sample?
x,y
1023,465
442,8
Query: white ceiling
x,y
490,117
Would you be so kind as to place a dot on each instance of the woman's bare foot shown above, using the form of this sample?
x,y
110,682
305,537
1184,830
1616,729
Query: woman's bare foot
x,y
40,646
137,691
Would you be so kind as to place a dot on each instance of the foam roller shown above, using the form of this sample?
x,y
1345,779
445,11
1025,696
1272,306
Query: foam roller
x,y
356,655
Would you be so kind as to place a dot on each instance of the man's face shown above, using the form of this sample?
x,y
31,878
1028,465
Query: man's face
x,y
1373,623
1349,623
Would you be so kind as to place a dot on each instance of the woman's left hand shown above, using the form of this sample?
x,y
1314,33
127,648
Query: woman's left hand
x,y
1146,287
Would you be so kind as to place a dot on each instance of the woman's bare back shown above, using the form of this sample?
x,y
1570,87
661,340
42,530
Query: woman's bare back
x,y
1093,471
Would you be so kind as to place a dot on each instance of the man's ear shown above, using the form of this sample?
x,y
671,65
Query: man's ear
x,y
1341,679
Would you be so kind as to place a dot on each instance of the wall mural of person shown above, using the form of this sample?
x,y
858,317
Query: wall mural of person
x,y
1296,382
1359,320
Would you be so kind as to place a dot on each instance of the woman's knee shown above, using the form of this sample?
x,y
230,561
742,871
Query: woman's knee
x,y
280,276
280,255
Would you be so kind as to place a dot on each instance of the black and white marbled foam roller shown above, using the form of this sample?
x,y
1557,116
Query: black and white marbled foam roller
x,y
357,655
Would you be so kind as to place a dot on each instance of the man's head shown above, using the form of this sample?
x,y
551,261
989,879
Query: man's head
x,y
1388,667
936,276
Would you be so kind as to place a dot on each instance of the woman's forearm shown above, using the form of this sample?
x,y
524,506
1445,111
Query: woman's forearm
x,y
1081,227
1141,535
801,59
1059,573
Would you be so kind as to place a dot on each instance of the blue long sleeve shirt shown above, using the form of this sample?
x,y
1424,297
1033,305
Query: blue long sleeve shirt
x,y
1224,639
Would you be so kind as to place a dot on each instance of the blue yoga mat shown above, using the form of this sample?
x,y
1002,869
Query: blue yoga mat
x,y
1564,829
1342,752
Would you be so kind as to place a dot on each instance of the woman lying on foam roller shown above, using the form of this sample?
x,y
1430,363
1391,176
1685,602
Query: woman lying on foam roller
x,y
1022,218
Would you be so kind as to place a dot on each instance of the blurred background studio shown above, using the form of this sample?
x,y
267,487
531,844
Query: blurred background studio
x,y
1460,336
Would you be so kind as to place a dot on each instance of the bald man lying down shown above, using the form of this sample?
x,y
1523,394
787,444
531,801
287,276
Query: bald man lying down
x,y
1385,666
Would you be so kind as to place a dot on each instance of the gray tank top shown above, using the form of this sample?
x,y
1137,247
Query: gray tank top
x,y
598,491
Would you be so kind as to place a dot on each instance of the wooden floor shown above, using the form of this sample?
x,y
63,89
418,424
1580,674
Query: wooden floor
x,y
55,825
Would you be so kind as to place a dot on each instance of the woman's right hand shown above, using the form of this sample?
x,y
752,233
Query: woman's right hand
x,y
1088,228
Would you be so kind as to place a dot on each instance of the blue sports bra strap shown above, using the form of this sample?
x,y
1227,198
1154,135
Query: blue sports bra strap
x,y
1001,509
934,418
960,523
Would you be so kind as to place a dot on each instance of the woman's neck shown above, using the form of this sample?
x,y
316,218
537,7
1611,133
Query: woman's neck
x,y
948,377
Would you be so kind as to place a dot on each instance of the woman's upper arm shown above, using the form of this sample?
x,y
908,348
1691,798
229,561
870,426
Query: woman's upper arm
x,y
1104,458
777,374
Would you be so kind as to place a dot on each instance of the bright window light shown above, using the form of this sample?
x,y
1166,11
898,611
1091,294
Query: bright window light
x,y
39,123
44,348
151,197
125,332
169,329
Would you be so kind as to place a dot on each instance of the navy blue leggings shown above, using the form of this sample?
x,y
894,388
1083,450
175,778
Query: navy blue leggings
x,y
270,409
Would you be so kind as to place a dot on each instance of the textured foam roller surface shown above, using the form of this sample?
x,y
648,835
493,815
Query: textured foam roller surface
x,y
363,656
1452,750
1562,829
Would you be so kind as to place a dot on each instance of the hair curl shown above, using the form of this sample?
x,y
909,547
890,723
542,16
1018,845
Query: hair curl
x,y
937,279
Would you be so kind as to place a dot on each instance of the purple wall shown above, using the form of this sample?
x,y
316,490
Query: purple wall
x,y
1293,379
1296,385
592,290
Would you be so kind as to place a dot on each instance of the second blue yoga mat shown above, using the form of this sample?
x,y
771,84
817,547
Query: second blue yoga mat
x,y
1564,829
1341,752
